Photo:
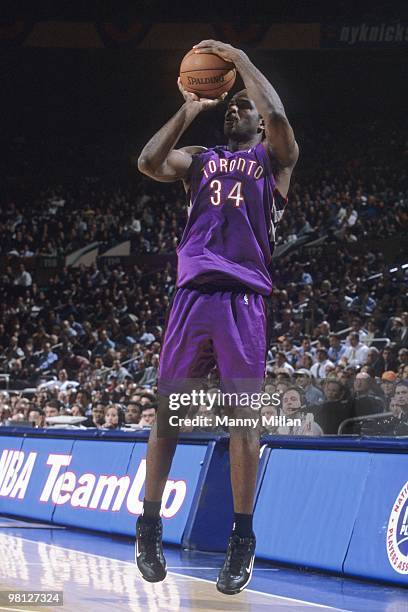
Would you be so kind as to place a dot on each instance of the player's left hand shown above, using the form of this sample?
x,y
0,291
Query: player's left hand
x,y
201,103
227,52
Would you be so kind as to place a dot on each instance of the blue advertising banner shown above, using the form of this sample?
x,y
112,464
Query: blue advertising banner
x,y
11,460
94,484
27,476
307,506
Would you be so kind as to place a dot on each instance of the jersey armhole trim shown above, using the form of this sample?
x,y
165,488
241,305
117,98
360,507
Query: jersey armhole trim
x,y
277,193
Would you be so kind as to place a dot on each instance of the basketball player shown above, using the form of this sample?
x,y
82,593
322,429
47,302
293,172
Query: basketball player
x,y
236,198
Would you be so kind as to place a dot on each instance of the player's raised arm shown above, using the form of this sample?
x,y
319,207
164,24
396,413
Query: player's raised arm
x,y
159,159
278,131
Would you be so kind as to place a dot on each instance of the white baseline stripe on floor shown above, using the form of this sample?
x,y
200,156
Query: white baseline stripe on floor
x,y
188,567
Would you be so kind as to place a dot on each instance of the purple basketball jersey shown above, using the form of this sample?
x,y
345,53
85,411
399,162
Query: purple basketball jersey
x,y
232,220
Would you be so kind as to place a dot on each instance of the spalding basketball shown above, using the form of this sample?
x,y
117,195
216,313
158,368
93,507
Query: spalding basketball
x,y
206,74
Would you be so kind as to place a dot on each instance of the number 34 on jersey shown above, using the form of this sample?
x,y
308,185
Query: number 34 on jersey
x,y
234,194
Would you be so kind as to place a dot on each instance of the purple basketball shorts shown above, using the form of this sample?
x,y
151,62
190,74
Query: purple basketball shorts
x,y
226,328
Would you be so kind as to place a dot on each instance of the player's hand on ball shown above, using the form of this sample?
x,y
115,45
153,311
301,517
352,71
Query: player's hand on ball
x,y
227,52
205,103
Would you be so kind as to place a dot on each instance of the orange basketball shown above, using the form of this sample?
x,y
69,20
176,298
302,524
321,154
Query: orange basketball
x,y
206,74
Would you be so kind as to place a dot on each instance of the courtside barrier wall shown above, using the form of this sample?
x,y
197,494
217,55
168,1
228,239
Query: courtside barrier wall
x,y
337,504
96,480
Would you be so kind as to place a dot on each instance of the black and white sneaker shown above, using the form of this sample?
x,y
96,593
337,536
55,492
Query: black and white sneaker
x,y
149,550
236,572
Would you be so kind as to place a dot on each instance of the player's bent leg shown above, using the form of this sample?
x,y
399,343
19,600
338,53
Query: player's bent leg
x,y
236,571
185,358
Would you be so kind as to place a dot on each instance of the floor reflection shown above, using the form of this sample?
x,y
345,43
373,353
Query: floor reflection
x,y
92,582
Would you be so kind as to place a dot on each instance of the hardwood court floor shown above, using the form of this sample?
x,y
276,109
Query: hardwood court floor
x,y
97,573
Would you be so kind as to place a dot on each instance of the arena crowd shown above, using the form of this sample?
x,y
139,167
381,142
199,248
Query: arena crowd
x,y
86,341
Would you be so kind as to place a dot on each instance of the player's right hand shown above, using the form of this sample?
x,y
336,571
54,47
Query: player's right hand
x,y
205,103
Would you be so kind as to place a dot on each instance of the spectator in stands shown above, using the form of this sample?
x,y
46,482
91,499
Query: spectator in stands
x,y
323,332
62,384
401,399
146,398
404,331
290,351
356,353
373,359
22,404
148,416
47,359
149,377
113,418
367,399
305,347
357,328
23,278
103,345
83,398
138,370
393,407
4,338
306,361
319,369
118,372
78,410
5,415
395,425
281,363
402,357
146,337
388,380
313,395
372,332
403,372
13,351
293,407
336,350
97,417
395,330
75,362
36,416
336,408
386,362
132,415
363,302
52,408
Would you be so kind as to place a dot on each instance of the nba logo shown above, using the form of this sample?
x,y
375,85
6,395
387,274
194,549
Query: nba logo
x,y
246,301
397,533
